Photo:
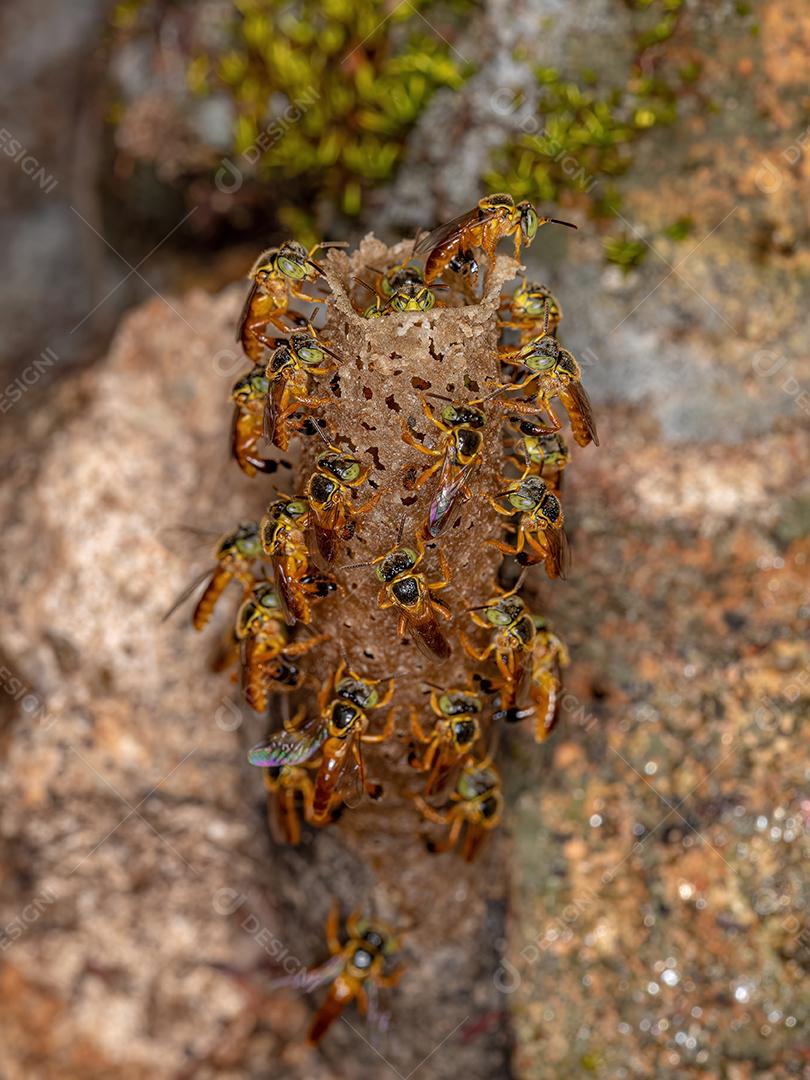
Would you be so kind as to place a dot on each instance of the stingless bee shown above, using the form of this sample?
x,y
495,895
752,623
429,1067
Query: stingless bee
x,y
266,652
527,308
249,396
328,491
544,454
512,632
540,532
357,971
453,736
288,373
554,372
457,455
477,802
408,590
549,657
412,296
277,274
236,556
339,731
495,217
282,532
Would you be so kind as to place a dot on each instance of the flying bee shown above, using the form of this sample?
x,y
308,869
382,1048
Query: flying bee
x,y
544,454
527,309
405,588
549,657
287,785
282,532
454,734
512,632
266,652
477,802
495,217
540,532
332,515
458,455
357,971
236,556
249,395
555,373
277,274
289,370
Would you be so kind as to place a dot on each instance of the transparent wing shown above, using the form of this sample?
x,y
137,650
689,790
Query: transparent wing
x,y
289,747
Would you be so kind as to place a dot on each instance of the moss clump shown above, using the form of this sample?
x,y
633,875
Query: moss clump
x,y
351,77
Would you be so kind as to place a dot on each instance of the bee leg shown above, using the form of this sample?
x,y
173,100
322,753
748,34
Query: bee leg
x,y
362,1001
496,506
451,839
416,728
423,477
470,649
293,826
506,549
390,980
426,409
332,927
402,624
389,693
369,504
385,733
429,813
440,607
298,648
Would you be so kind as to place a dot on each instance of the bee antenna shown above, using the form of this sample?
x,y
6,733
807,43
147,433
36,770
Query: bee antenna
x,y
546,316
319,429
354,566
366,284
440,397
556,221
401,530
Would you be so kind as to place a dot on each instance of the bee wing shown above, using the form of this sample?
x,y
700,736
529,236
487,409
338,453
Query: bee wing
x,y
322,538
289,747
189,591
272,408
426,634
349,785
443,232
286,593
243,314
451,481
308,979
580,413
559,552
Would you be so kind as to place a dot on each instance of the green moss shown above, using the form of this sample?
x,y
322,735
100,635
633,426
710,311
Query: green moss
x,y
624,251
348,81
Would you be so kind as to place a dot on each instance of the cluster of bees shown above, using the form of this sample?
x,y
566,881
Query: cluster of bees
x,y
286,563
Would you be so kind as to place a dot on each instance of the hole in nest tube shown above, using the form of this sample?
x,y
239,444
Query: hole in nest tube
x,y
374,454
368,393
392,403
408,500
334,385
420,384
368,427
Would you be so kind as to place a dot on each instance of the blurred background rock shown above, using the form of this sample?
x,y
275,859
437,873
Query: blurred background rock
x,y
656,923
